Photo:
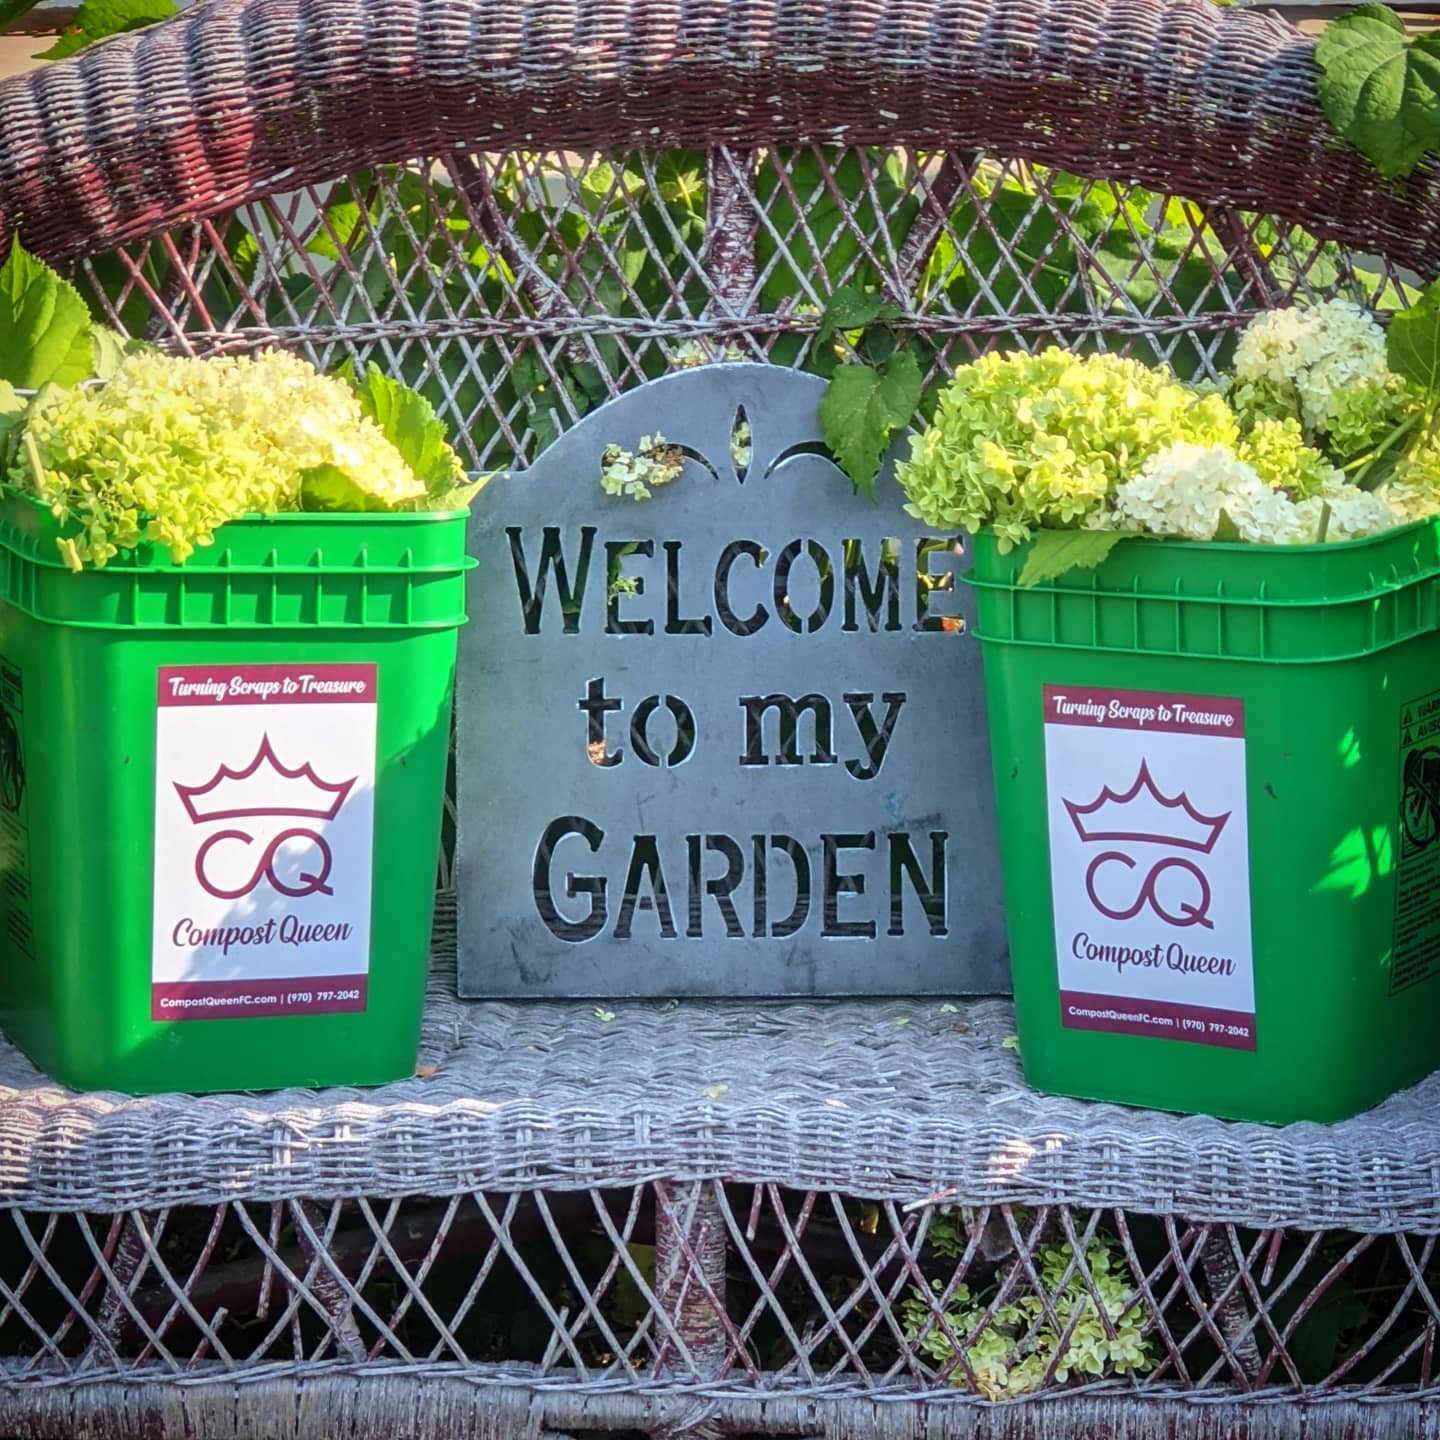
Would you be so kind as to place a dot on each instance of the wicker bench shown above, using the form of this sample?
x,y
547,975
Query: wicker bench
x,y
694,1217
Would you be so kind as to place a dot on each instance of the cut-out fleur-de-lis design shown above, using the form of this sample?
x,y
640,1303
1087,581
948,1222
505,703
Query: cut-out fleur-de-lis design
x,y
742,445
624,473
743,450
816,448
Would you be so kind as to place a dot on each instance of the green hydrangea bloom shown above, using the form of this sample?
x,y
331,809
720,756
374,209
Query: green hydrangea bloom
x,y
1261,399
1021,442
1365,413
1413,491
171,448
1359,415
1277,452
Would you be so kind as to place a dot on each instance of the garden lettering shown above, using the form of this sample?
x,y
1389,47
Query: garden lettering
x,y
860,747
725,737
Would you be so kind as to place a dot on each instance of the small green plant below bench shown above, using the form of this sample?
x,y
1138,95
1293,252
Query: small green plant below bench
x,y
1013,1347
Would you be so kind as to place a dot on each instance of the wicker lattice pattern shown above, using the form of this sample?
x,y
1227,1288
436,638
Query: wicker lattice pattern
x,y
516,339
243,98
700,1218
561,1304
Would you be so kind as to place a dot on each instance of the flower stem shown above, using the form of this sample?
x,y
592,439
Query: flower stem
x,y
1365,463
32,458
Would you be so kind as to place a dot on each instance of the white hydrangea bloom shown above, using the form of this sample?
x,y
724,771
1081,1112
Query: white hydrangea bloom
x,y
1353,515
1322,353
1410,502
1182,489
655,461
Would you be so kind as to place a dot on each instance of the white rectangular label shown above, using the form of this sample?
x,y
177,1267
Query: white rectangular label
x,y
1150,863
264,840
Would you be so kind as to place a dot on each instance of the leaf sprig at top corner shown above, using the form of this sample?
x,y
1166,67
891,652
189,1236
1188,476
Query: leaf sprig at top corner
x,y
45,328
97,20
370,445
1380,90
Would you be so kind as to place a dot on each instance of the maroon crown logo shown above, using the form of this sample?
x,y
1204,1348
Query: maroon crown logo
x,y
230,794
1144,815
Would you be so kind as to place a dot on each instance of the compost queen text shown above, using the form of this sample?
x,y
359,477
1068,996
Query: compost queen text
x,y
1171,955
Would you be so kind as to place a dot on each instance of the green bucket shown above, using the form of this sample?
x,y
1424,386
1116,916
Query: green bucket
x,y
1228,759
220,799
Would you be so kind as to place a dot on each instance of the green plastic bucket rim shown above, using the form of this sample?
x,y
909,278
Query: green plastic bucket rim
x,y
1089,585
151,558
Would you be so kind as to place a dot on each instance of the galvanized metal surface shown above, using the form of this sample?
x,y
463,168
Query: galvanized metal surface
x,y
697,733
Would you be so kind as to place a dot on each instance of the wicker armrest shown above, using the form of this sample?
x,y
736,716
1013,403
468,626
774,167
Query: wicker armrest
x,y
237,98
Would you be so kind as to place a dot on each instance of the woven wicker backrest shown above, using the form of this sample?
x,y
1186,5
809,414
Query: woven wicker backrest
x,y
526,205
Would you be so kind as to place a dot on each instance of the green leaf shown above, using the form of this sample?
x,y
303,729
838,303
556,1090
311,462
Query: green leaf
x,y
1019,260
681,178
822,359
455,498
864,409
1412,343
44,325
100,19
1057,551
819,204
411,425
1315,1344
13,10
111,348
851,309
327,488
337,230
1381,94
877,346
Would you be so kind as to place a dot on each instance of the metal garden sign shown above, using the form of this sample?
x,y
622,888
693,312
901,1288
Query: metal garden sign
x,y
725,740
